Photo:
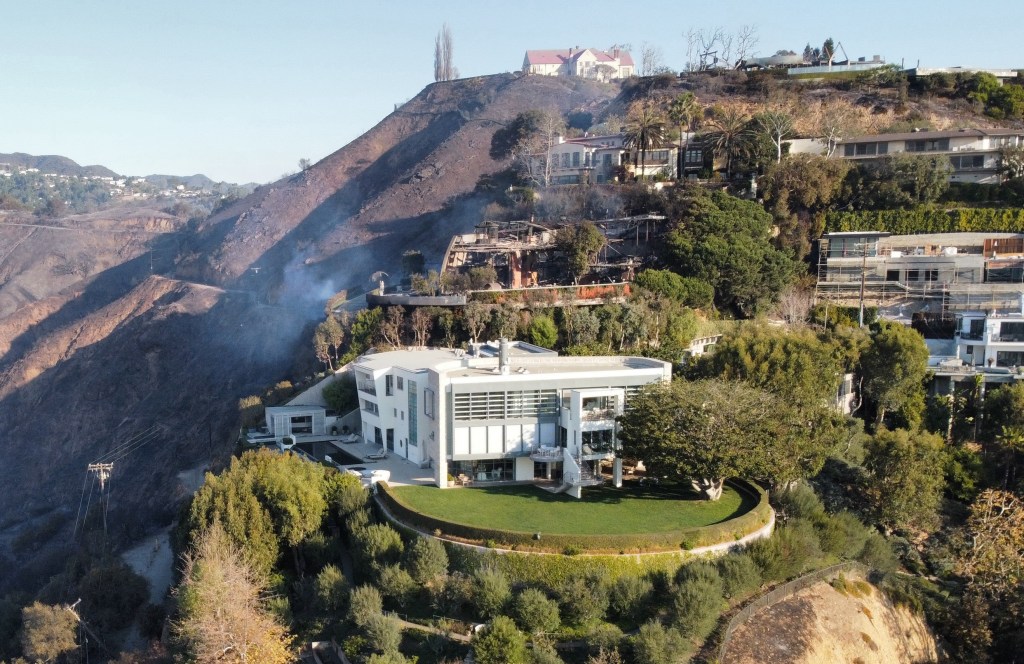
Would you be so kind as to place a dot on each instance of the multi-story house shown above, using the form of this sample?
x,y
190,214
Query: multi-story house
x,y
975,154
583,63
989,339
600,159
507,411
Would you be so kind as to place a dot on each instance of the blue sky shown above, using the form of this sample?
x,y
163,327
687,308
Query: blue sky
x,y
241,89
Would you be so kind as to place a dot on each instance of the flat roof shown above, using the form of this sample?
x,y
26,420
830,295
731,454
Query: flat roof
x,y
925,135
524,359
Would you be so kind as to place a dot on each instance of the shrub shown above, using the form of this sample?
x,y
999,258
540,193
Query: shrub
x,y
928,220
842,534
583,596
799,502
604,637
112,594
878,554
740,576
365,603
331,589
655,644
490,592
396,585
629,597
453,596
378,545
788,552
384,633
426,560
500,643
697,598
536,612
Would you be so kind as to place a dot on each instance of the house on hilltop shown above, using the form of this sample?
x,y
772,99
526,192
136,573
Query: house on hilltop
x,y
507,411
589,63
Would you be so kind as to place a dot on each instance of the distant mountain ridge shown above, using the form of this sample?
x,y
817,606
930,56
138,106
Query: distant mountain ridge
x,y
197,181
55,163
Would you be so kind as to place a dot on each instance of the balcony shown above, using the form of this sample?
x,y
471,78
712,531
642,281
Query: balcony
x,y
970,336
1007,338
548,454
596,414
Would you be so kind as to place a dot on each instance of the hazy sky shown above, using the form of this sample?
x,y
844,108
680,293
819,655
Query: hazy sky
x,y
241,89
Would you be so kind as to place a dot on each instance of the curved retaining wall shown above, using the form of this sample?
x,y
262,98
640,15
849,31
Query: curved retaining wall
x,y
757,523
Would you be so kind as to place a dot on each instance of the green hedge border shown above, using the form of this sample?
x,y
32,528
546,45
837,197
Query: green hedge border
x,y
928,220
678,540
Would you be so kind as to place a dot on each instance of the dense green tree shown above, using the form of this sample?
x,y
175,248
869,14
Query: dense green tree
x,y
112,595
740,576
629,597
902,180
340,394
580,245
905,481
724,241
894,366
795,364
365,604
655,644
697,599
543,331
396,585
535,612
427,561
797,192
583,596
500,643
377,545
702,431
345,494
331,589
687,291
491,592
777,125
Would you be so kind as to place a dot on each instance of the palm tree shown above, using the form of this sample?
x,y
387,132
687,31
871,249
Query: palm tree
x,y
684,111
645,130
728,136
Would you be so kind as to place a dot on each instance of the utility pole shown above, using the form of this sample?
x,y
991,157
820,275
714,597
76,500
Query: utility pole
x,y
102,472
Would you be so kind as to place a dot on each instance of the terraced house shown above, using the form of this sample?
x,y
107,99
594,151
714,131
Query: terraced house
x,y
504,411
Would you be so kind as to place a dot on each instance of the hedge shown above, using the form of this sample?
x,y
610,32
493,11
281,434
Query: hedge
x,y
927,220
684,539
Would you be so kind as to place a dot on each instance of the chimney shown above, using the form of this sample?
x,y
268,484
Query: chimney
x,y
503,356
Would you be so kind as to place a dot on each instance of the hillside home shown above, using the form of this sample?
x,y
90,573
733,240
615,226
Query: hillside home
x,y
973,153
507,411
589,63
947,271
989,339
601,159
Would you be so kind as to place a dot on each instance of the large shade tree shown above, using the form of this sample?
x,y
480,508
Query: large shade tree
x,y
702,431
894,366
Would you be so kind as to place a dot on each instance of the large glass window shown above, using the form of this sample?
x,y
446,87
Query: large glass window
x,y
1011,331
484,470
364,383
370,407
302,424
598,442
389,385
413,415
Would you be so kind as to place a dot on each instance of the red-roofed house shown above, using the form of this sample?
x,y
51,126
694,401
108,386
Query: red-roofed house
x,y
584,63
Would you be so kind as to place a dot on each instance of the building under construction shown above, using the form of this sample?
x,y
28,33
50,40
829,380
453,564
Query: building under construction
x,y
936,272
523,253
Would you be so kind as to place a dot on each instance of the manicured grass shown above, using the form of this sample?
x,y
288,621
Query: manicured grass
x,y
601,511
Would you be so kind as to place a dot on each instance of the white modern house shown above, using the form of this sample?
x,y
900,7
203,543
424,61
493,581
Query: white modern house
x,y
975,154
507,411
989,339
583,63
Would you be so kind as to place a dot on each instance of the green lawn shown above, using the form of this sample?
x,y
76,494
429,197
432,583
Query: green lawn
x,y
601,511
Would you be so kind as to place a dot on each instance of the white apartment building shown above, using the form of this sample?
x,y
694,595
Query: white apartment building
x,y
507,411
989,339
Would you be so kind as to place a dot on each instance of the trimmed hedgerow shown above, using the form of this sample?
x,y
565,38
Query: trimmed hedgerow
x,y
928,220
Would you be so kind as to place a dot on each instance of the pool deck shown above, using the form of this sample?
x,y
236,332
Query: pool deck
x,y
402,471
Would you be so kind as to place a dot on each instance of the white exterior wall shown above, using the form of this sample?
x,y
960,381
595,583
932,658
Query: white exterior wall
x,y
984,352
